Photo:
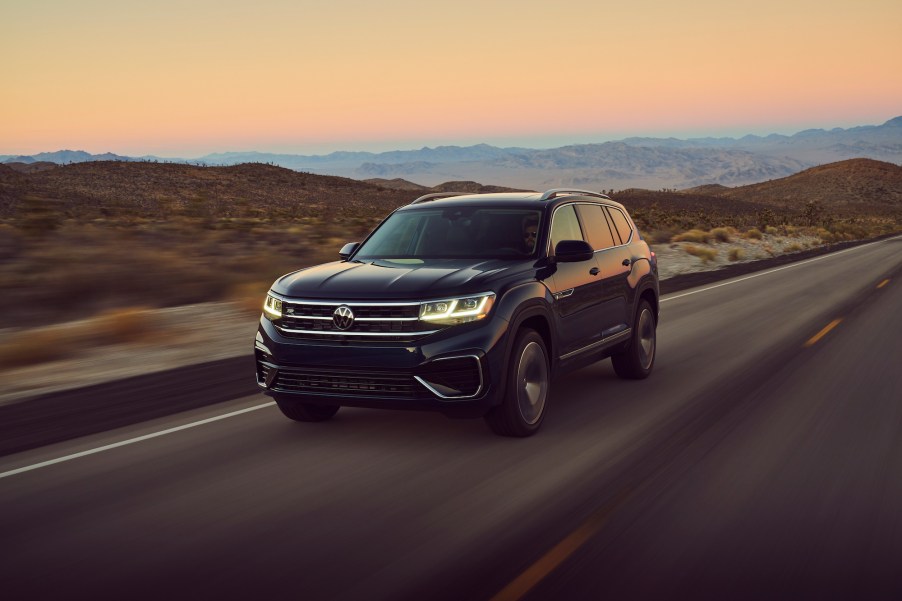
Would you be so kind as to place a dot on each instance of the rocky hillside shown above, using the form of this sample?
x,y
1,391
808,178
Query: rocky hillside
x,y
863,183
105,188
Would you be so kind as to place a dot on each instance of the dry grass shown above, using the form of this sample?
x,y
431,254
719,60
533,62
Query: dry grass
x,y
697,236
793,248
119,326
28,348
705,254
736,254
721,234
84,269
754,234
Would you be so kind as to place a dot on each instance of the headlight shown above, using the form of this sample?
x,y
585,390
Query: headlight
x,y
457,310
272,308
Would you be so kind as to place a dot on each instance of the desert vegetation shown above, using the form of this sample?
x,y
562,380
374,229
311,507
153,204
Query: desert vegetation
x,y
84,239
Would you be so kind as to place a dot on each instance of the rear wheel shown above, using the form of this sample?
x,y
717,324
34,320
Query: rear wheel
x,y
522,410
306,412
638,359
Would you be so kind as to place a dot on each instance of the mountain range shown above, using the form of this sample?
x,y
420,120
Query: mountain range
x,y
652,163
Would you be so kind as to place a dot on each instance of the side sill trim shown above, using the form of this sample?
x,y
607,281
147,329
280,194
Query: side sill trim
x,y
604,341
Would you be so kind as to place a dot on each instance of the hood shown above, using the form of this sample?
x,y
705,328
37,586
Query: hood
x,y
389,280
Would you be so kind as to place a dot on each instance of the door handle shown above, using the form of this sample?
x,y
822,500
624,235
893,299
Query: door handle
x,y
593,271
626,262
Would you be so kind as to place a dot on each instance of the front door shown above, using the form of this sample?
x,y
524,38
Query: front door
x,y
576,288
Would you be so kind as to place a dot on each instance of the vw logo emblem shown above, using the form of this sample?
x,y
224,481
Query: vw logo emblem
x,y
343,317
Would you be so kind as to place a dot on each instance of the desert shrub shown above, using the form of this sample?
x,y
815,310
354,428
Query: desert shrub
x,y
29,348
793,248
736,254
825,236
121,326
721,234
766,217
771,230
754,234
697,236
705,254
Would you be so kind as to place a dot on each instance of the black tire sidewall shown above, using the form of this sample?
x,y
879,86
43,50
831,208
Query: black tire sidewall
x,y
511,403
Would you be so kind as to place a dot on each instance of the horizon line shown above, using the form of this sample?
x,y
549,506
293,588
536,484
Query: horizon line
x,y
576,140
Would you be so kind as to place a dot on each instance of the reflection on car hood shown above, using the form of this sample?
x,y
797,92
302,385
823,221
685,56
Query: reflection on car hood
x,y
401,280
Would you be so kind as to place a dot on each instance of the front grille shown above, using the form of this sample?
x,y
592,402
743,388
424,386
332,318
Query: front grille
x,y
326,381
321,325
361,311
444,378
372,323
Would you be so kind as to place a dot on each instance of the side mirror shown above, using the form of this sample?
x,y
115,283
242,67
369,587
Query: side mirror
x,y
347,250
573,251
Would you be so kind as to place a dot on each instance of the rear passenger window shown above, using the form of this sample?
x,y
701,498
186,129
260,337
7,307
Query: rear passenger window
x,y
593,219
565,226
621,224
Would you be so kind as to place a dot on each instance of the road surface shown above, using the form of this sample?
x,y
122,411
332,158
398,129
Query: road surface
x,y
762,459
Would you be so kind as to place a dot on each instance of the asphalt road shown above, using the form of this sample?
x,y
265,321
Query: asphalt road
x,y
762,459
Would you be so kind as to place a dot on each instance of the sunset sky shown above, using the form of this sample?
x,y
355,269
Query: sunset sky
x,y
190,77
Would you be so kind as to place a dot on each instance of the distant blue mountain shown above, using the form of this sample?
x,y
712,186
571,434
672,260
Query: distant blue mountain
x,y
632,162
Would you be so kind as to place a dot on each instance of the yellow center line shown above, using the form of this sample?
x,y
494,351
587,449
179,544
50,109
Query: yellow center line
x,y
883,283
522,584
813,340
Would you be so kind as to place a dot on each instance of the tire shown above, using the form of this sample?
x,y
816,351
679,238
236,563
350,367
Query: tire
x,y
638,359
528,387
307,412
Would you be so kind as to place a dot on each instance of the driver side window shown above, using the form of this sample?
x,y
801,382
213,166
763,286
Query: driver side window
x,y
565,226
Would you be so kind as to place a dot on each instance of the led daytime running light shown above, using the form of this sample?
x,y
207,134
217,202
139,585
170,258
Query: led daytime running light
x,y
273,307
452,309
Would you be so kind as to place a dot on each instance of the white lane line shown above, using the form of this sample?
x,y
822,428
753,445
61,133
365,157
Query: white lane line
x,y
776,269
123,443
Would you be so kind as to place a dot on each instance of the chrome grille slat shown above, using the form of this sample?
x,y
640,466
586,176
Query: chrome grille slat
x,y
375,322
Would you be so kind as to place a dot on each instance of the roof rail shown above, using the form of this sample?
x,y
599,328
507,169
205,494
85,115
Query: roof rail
x,y
555,192
437,195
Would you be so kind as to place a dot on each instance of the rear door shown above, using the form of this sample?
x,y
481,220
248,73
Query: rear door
x,y
616,265
605,241
574,286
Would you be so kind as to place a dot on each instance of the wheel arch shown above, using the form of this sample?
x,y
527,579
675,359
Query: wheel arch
x,y
649,295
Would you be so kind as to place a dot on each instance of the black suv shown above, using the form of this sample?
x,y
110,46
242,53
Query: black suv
x,y
467,304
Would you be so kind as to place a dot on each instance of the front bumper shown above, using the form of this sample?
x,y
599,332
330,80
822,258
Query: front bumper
x,y
457,371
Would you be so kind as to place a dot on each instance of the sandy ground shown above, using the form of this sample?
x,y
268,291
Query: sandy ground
x,y
211,331
673,259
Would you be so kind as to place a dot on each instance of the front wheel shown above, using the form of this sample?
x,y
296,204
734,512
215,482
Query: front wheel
x,y
522,410
306,412
638,359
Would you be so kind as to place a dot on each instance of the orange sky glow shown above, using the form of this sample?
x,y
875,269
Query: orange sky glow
x,y
187,78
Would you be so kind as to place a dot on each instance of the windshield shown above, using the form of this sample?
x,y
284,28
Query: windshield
x,y
454,233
